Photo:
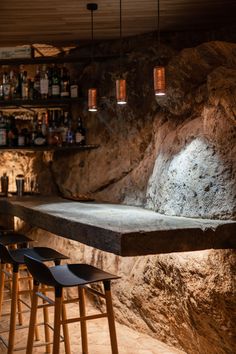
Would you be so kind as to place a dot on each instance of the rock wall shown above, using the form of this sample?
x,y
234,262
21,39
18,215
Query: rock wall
x,y
174,155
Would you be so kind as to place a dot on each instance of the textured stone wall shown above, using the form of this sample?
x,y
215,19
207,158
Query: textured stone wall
x,y
175,155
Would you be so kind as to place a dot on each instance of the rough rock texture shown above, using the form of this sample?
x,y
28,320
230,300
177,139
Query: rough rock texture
x,y
177,156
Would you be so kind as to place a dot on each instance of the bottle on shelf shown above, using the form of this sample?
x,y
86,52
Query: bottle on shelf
x,y
36,85
44,84
3,131
70,134
12,135
21,138
24,86
1,87
56,79
14,84
19,82
64,127
74,89
65,82
80,133
6,86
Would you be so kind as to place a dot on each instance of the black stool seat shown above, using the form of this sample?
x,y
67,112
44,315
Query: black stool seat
x,y
16,257
11,238
66,275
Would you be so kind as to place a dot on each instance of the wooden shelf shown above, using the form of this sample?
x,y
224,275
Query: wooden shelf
x,y
52,148
50,102
52,60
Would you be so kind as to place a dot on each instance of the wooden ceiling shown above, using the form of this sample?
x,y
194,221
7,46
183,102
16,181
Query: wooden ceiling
x,y
68,21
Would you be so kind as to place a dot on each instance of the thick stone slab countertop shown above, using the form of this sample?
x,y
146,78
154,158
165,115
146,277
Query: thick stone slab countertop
x,y
121,229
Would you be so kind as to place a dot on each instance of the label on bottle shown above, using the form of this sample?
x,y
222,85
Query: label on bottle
x,y
78,137
3,137
25,90
6,91
55,90
21,140
74,91
44,86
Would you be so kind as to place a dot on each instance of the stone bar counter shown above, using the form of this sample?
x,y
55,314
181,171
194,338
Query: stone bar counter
x,y
121,229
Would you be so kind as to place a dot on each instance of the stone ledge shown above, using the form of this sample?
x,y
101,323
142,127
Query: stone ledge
x,y
120,229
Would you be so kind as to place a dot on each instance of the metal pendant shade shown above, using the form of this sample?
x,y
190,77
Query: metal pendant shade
x,y
159,71
159,80
121,91
92,99
92,92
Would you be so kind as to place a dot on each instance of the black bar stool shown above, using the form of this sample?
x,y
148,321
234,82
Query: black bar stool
x,y
9,238
16,259
70,275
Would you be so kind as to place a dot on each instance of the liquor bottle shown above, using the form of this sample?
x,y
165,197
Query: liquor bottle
x,y
64,127
49,74
34,129
70,134
55,81
1,87
12,135
3,131
65,83
14,84
80,133
24,86
37,93
6,86
74,89
21,138
44,82
44,125
19,82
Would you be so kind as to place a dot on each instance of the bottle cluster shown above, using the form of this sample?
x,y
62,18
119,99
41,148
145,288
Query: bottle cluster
x,y
51,127
47,82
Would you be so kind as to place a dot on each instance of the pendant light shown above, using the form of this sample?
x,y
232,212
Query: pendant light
x,y
121,83
159,71
92,92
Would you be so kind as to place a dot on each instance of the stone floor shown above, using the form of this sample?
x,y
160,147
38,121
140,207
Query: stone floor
x,y
129,341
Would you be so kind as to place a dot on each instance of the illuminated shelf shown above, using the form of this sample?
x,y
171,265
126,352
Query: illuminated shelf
x,y
73,147
50,102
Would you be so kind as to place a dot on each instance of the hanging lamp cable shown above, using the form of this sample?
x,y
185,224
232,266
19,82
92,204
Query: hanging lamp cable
x,y
121,35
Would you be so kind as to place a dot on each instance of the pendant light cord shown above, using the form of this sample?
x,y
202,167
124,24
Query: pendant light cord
x,y
158,24
92,38
120,36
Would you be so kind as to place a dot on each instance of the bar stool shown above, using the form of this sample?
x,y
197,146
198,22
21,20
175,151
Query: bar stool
x,y
9,238
64,276
16,259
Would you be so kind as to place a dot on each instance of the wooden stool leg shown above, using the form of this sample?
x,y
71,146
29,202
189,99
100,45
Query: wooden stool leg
x,y
57,320
110,316
14,299
19,306
83,325
46,322
33,316
36,329
65,330
2,283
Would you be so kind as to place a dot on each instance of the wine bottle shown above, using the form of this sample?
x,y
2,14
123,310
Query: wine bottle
x,y
65,83
55,82
44,82
80,133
